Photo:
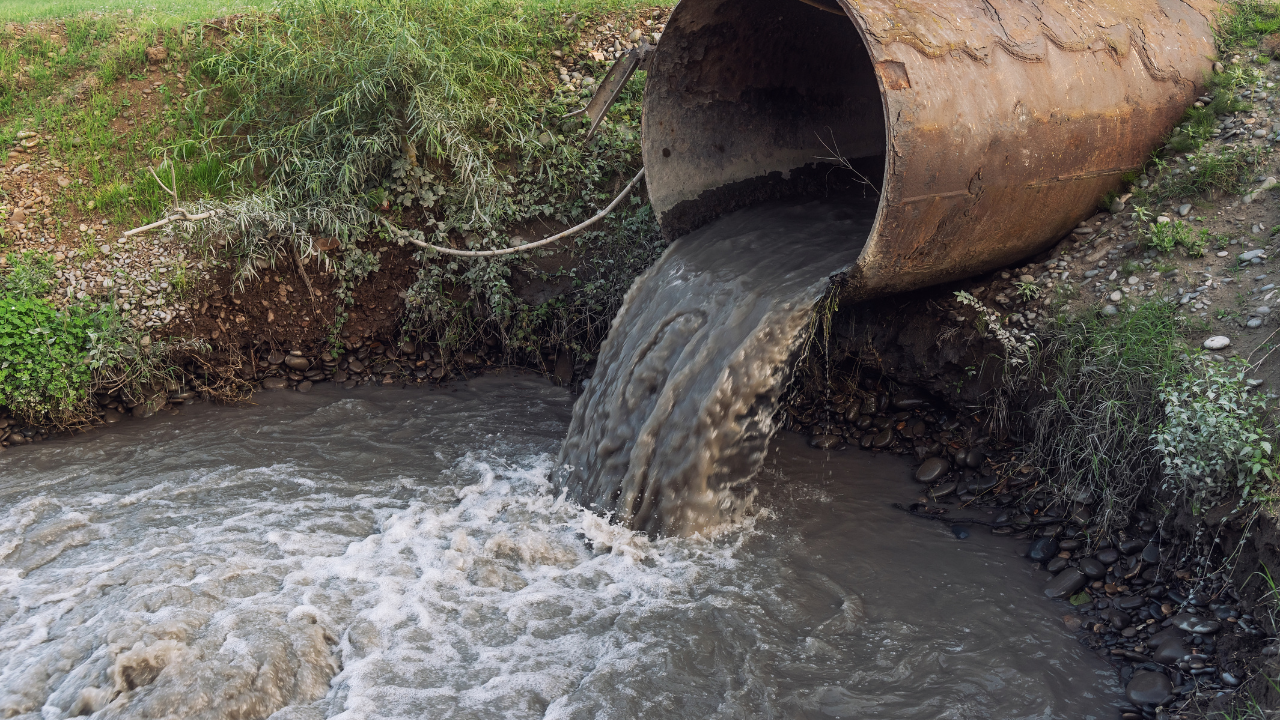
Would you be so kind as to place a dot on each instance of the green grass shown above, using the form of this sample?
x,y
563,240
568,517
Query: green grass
x,y
1242,23
167,13
1090,404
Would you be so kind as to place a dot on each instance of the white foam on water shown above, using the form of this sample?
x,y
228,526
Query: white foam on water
x,y
302,589
491,596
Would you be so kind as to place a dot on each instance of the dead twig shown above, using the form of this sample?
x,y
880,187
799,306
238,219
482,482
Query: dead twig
x,y
530,246
311,293
178,212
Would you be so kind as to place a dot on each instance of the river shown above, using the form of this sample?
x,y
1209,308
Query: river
x,y
384,553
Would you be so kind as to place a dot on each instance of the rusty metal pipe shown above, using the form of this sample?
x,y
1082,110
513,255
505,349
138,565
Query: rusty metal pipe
x,y
990,126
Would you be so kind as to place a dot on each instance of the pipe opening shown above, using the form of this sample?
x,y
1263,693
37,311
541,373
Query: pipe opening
x,y
756,100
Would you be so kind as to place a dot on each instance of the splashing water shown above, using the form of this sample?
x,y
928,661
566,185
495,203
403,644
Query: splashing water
x,y
389,554
670,431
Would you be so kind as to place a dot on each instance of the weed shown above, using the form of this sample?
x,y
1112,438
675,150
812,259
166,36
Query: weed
x,y
1026,291
1088,401
1242,23
1222,172
1215,438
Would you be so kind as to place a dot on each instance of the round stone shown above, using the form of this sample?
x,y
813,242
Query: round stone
x,y
1065,583
883,439
1042,549
1093,568
1148,688
821,441
1217,342
932,469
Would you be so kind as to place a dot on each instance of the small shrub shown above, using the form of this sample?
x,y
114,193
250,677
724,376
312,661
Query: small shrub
x,y
1167,236
43,365
1215,435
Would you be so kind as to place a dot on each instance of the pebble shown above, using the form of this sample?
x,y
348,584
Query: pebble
x,y
296,362
1042,549
1094,569
1223,253
1169,653
1148,688
1217,342
1110,310
1263,310
932,469
1197,625
822,441
274,383
883,439
1184,209
974,458
1250,255
943,490
1106,556
1151,553
1253,323
1065,583
304,386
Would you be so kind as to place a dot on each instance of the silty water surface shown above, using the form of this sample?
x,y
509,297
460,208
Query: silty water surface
x,y
671,430
400,554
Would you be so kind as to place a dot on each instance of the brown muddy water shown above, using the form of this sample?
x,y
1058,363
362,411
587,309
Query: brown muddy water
x,y
380,553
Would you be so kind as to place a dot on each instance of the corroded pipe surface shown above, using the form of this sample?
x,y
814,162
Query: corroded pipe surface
x,y
989,128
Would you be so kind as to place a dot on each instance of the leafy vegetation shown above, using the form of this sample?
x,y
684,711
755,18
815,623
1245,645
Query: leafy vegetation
x,y
1214,439
43,350
1175,233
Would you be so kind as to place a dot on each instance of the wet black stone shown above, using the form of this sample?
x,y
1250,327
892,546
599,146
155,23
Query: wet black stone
x,y
1169,652
1056,564
1128,547
1129,602
959,532
1148,688
974,458
1042,549
1069,545
909,401
824,441
864,422
932,469
943,490
1119,619
865,442
1092,568
1151,553
1107,556
1065,583
882,439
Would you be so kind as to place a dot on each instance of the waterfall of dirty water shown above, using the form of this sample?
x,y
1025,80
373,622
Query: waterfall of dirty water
x,y
400,554
670,431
